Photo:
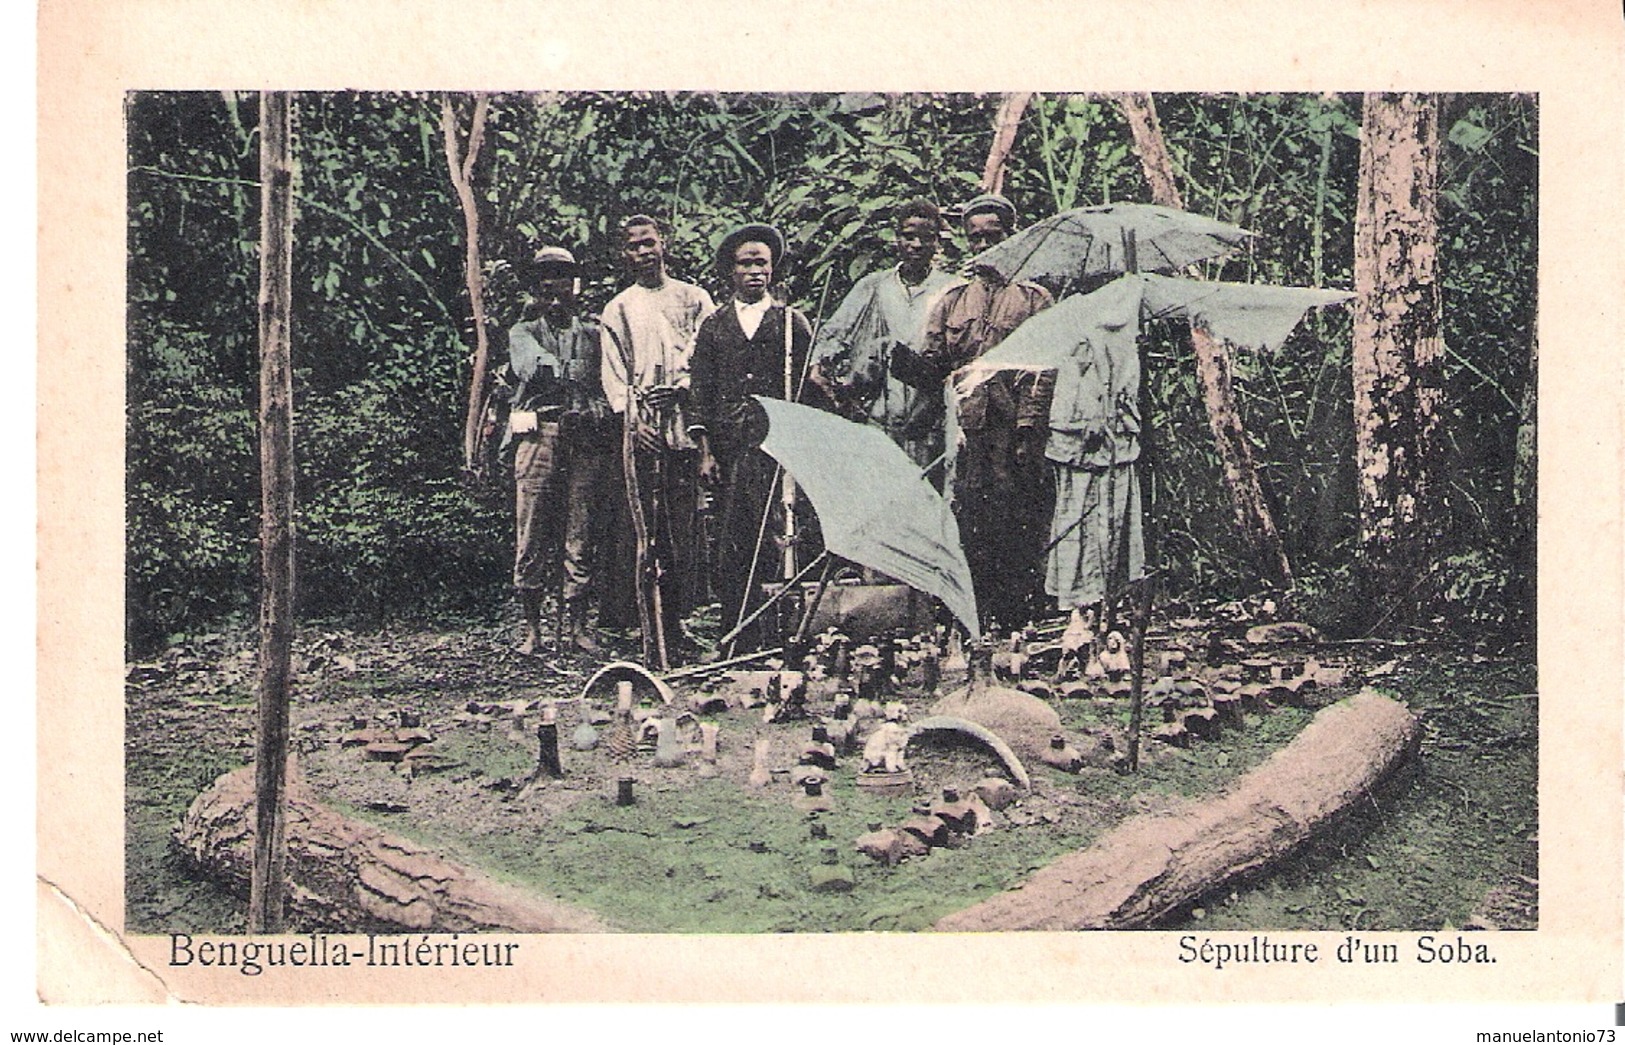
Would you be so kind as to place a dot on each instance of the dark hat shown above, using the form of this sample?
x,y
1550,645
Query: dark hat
x,y
753,233
553,263
990,202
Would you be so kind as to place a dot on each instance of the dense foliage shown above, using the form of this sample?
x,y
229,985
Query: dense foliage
x,y
382,333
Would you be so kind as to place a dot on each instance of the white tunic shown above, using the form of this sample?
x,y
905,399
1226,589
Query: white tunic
x,y
648,340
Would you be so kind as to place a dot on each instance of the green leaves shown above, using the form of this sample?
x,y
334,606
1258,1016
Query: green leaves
x,y
1469,135
382,327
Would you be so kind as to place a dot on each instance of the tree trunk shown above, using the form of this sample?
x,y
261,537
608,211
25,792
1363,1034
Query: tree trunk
x,y
1140,110
1004,139
1398,345
460,163
347,876
1524,462
276,508
1151,866
1213,366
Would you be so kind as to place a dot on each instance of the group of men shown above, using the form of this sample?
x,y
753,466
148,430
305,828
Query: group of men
x,y
623,428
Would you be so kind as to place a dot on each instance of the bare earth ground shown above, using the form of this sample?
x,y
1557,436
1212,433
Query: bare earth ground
x,y
1455,847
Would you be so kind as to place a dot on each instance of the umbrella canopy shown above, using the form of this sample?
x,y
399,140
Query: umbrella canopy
x,y
1089,342
1089,339
873,504
1092,241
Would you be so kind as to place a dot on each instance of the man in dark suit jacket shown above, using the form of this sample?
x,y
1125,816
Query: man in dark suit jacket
x,y
742,350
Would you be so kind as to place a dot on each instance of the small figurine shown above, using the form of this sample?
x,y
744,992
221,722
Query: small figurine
x,y
759,774
883,751
1114,659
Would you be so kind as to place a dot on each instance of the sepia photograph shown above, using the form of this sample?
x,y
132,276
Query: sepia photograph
x,y
628,510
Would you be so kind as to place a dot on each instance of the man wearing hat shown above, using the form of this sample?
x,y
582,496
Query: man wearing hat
x,y
565,450
853,350
969,319
1001,484
648,341
750,346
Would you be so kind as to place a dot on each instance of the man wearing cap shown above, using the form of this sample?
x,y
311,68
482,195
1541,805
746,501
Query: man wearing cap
x,y
565,450
648,340
743,350
1001,484
853,351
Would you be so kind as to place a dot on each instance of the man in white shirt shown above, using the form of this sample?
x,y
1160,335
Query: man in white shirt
x,y
648,340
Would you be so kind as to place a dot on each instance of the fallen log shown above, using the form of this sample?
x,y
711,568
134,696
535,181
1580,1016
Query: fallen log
x,y
347,876
1150,866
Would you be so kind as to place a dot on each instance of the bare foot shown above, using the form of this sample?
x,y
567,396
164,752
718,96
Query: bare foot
x,y
529,644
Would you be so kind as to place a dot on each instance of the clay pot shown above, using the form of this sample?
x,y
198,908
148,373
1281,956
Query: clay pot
x,y
813,798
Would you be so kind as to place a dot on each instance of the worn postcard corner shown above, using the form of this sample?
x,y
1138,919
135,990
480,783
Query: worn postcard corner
x,y
1485,866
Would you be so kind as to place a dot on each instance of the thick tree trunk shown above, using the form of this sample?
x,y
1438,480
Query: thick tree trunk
x,y
276,506
347,876
1152,866
460,162
1213,366
1004,139
1398,345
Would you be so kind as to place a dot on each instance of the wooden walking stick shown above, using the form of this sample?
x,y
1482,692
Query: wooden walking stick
x,y
657,567
561,521
634,504
662,525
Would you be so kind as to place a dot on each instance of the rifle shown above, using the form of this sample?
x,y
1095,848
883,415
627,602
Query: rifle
x,y
651,626
657,568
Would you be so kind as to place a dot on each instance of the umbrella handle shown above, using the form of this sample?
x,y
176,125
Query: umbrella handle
x,y
775,597
812,605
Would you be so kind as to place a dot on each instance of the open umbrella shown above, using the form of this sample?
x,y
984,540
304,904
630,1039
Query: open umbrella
x,y
1088,340
1116,237
874,506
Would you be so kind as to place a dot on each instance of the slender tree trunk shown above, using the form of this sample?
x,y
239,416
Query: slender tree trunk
x,y
1398,346
1523,462
1521,588
1213,366
1004,139
1140,110
276,512
460,160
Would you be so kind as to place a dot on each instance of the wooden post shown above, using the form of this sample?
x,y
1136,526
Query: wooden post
x,y
1140,607
276,512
